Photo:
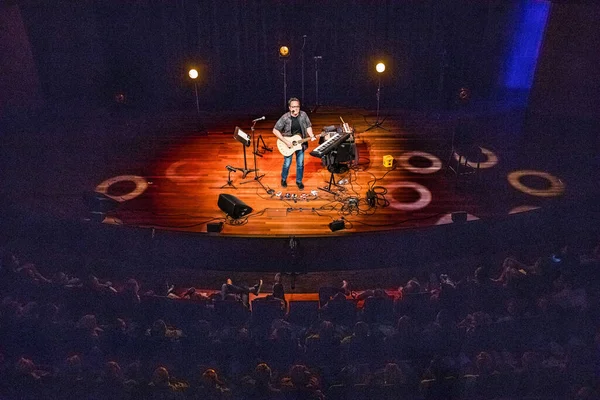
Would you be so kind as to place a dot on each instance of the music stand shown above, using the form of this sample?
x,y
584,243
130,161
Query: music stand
x,y
245,140
255,170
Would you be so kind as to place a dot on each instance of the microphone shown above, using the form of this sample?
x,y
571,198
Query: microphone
x,y
230,168
259,119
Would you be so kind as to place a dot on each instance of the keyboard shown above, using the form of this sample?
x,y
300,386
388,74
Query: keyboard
x,y
330,144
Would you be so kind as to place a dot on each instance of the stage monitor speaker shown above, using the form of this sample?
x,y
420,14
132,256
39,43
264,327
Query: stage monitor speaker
x,y
233,206
214,227
459,217
99,202
336,225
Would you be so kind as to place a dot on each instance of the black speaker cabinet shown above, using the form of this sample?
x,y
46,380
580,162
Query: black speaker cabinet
x,y
214,227
336,225
99,202
346,152
233,206
459,217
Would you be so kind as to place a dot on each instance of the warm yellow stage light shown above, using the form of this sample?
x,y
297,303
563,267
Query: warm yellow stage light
x,y
193,73
380,67
284,51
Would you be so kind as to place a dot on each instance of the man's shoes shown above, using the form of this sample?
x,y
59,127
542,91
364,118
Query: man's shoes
x,y
300,185
283,183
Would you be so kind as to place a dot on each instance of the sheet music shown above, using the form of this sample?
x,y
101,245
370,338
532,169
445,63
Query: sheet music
x,y
243,135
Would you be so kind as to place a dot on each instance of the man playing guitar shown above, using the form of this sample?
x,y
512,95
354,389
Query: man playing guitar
x,y
294,122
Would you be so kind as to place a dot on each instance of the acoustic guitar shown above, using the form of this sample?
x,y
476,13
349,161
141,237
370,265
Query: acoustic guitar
x,y
296,144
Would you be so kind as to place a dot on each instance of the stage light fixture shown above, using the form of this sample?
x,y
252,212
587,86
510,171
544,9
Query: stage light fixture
x,y
284,53
193,74
380,67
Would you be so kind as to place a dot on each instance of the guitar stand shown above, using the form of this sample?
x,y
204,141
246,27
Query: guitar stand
x,y
229,181
265,148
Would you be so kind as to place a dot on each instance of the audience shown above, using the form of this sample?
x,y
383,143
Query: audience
x,y
533,332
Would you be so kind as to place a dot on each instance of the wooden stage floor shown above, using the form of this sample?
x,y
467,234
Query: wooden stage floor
x,y
168,174
188,175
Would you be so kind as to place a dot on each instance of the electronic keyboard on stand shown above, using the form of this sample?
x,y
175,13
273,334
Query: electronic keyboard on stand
x,y
330,144
330,155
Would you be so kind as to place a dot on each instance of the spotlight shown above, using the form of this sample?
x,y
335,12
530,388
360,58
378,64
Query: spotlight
x,y
380,67
193,74
284,51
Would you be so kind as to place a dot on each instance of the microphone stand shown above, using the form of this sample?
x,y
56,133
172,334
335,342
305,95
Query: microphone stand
x,y
256,176
302,59
316,58
229,181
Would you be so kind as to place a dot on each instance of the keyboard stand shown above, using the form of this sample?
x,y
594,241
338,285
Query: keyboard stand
x,y
331,182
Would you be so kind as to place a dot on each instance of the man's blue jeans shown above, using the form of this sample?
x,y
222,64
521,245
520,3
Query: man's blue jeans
x,y
287,161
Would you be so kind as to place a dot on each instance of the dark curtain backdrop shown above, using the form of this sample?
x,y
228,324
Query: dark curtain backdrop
x,y
565,100
19,83
87,50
